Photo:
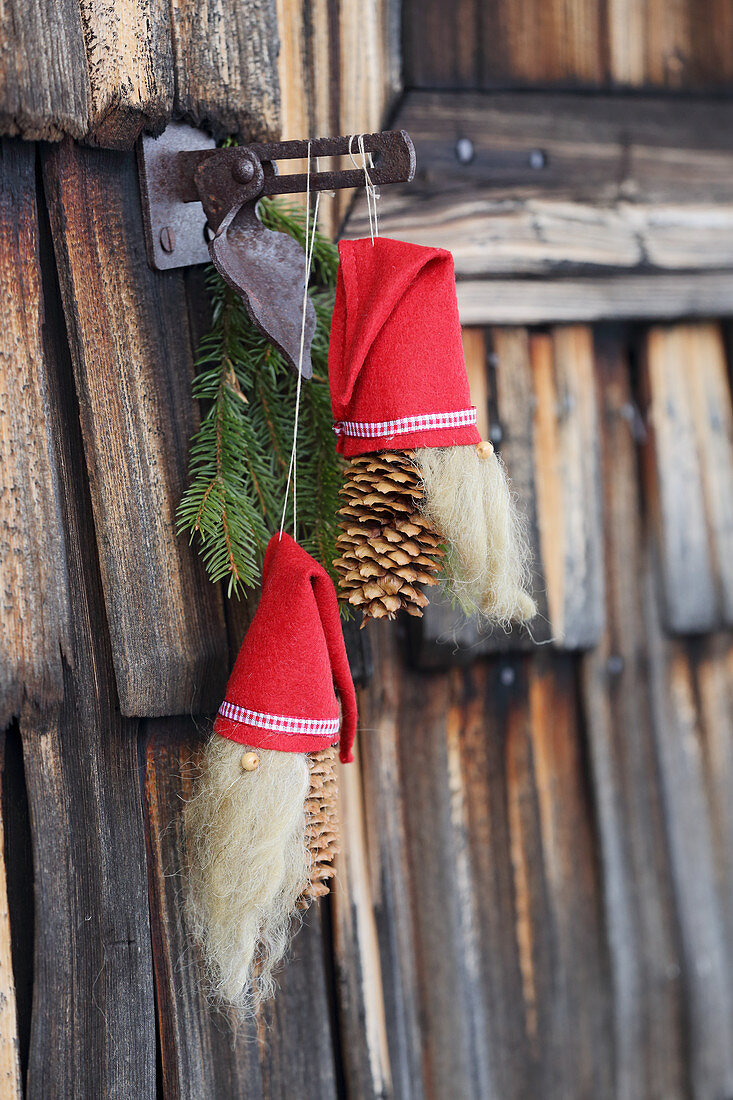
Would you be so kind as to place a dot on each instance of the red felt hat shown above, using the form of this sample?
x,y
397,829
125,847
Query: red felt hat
x,y
281,692
395,363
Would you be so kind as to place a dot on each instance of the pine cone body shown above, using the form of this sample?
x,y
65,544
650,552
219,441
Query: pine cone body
x,y
386,546
322,827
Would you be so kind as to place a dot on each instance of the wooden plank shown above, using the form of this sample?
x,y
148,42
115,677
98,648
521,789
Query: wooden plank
x,y
649,1043
44,84
378,1009
567,480
367,1063
699,900
456,1060
689,464
632,44
297,1055
579,1020
584,300
34,626
93,1027
130,65
133,367
10,1075
225,63
714,692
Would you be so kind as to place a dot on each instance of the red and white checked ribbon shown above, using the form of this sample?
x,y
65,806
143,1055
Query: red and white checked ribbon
x,y
279,722
386,429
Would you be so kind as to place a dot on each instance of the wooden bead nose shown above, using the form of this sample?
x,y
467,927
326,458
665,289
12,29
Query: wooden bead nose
x,y
484,449
250,762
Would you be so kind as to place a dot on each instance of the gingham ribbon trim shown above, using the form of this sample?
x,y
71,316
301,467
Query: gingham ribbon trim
x,y
369,429
279,722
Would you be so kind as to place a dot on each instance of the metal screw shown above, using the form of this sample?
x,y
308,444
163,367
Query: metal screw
x,y
507,676
167,238
243,170
537,159
615,664
464,150
496,433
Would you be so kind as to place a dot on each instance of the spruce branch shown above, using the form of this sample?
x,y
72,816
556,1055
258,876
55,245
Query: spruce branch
x,y
239,457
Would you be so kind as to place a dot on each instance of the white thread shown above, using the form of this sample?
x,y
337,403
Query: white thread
x,y
372,195
292,469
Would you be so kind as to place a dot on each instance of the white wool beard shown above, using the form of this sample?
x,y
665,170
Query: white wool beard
x,y
470,503
247,866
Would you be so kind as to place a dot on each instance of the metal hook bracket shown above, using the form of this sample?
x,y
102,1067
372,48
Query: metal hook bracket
x,y
199,205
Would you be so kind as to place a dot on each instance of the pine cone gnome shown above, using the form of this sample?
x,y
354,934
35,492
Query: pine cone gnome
x,y
422,493
247,824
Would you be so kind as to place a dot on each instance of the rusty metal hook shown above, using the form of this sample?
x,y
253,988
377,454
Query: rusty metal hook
x,y
199,203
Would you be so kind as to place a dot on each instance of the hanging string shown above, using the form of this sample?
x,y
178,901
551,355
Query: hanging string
x,y
372,194
310,238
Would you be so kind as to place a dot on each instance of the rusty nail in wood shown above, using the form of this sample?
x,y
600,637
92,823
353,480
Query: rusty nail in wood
x,y
167,239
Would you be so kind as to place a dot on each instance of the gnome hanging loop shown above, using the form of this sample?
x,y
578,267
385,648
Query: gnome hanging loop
x,y
399,387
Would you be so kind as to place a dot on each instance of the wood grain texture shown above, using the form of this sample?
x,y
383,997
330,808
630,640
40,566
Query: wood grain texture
x,y
505,898
44,85
225,62
130,66
34,625
646,984
689,464
373,943
133,365
699,893
567,479
93,1024
10,1073
623,43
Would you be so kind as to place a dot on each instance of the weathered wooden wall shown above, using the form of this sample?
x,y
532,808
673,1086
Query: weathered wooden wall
x,y
626,44
535,896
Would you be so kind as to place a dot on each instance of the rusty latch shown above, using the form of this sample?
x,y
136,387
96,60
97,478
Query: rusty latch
x,y
199,204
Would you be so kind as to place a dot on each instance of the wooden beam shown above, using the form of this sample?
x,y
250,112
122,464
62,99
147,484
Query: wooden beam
x,y
570,208
133,365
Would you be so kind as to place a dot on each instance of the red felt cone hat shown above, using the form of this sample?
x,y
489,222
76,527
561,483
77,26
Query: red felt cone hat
x,y
396,367
281,692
